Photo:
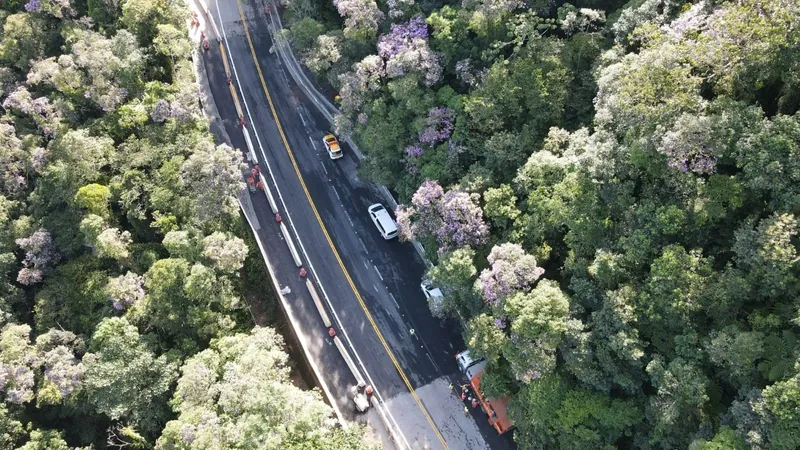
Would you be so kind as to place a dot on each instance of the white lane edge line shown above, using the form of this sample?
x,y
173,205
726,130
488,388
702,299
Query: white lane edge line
x,y
378,272
337,194
393,299
322,163
432,361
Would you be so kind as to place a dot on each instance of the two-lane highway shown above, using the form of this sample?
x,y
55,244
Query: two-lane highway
x,y
372,284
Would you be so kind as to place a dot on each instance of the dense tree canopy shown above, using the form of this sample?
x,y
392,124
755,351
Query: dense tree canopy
x,y
123,257
233,395
610,199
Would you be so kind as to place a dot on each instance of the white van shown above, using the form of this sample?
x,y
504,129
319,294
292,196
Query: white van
x,y
383,221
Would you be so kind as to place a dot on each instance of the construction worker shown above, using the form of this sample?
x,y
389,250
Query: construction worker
x,y
451,386
466,410
474,402
463,396
464,387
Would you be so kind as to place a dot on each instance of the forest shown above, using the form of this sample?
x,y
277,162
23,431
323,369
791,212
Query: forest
x,y
125,317
609,192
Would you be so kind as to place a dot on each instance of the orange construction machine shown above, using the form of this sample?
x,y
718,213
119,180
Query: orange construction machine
x,y
495,408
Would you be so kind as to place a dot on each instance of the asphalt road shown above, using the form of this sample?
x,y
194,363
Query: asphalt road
x,y
385,274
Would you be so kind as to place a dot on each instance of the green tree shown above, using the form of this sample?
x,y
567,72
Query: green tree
x,y
767,253
142,18
501,206
73,298
305,33
124,378
242,382
173,42
25,38
105,13
226,252
189,295
455,274
735,352
539,320
45,440
10,428
725,439
213,176
550,414
670,300
485,337
522,92
94,198
680,402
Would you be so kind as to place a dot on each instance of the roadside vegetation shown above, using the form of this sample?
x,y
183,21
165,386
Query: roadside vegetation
x,y
124,318
610,193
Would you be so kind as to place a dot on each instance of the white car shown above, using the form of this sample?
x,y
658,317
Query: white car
x,y
465,361
433,295
383,221
429,290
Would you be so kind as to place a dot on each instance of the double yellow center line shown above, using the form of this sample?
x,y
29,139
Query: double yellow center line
x,y
327,236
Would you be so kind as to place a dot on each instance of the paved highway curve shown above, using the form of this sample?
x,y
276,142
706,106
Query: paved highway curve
x,y
372,284
327,236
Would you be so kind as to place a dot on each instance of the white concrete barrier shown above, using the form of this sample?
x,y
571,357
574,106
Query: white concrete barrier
x,y
272,205
318,303
290,243
348,360
250,148
210,19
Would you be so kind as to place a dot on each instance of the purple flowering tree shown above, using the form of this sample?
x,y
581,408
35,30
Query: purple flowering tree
x,y
40,256
56,8
46,115
512,269
125,291
62,370
438,125
365,78
406,50
414,151
52,360
452,218
160,111
687,147
362,17
18,363
14,162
